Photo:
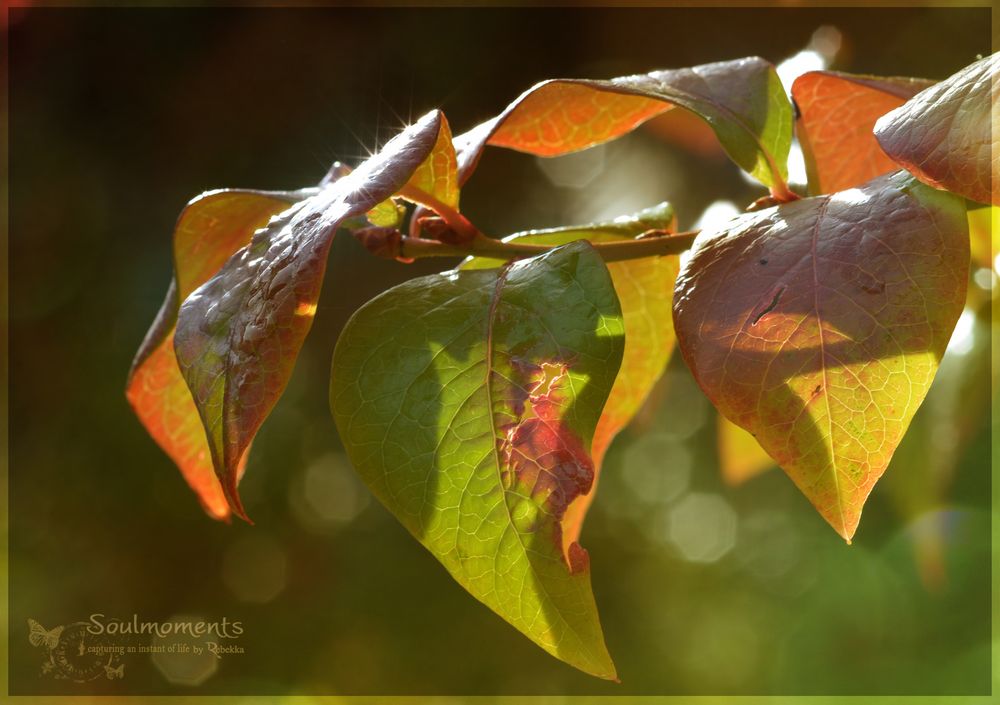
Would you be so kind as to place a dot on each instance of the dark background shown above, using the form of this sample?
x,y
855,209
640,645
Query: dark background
x,y
118,117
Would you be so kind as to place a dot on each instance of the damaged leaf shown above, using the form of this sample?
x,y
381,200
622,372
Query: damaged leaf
x,y
644,288
837,112
818,326
238,335
468,403
945,134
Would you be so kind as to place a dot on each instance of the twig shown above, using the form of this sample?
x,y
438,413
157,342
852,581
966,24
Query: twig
x,y
482,246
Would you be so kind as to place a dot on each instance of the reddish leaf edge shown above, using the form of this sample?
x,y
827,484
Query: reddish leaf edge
x,y
331,207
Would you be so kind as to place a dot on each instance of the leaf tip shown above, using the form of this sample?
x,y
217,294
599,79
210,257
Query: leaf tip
x,y
847,528
233,497
236,507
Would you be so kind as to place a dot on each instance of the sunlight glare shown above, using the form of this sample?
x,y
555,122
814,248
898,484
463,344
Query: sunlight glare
x,y
797,165
717,213
963,338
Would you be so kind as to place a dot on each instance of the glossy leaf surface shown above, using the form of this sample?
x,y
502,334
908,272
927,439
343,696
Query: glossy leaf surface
x,y
742,101
818,326
210,229
644,288
945,135
837,112
468,402
239,334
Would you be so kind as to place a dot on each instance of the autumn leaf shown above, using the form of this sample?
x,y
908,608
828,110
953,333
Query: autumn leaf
x,y
837,112
468,402
644,289
386,214
818,326
433,184
210,229
945,134
742,101
238,335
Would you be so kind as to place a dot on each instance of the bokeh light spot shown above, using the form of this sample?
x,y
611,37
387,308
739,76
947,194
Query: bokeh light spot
x,y
327,495
656,468
255,569
702,527
176,658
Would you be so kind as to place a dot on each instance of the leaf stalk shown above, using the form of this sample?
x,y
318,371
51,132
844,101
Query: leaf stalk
x,y
656,245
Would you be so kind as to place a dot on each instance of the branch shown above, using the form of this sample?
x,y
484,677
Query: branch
x,y
466,240
655,245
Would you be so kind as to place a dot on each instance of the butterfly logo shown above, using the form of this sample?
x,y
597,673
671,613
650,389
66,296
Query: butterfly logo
x,y
116,672
39,636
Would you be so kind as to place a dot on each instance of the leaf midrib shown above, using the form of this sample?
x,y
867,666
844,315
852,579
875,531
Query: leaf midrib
x,y
490,320
822,352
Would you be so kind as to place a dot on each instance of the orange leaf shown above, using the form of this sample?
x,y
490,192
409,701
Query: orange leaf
x,y
210,229
742,101
238,336
837,112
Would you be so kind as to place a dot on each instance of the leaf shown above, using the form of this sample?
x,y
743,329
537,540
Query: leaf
x,y
740,456
643,287
944,135
433,184
837,112
211,228
818,326
742,101
467,402
239,334
437,176
386,214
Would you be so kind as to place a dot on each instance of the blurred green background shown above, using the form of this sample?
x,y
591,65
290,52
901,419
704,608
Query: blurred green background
x,y
118,117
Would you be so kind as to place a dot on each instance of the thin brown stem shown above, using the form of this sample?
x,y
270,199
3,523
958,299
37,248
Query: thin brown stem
x,y
416,248
781,193
471,241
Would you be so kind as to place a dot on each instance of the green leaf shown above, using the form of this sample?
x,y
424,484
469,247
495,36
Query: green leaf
x,y
467,401
945,135
386,214
239,334
837,112
209,230
743,102
818,326
644,289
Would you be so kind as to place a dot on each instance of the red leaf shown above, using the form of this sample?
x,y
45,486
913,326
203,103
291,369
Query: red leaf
x,y
818,326
945,135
